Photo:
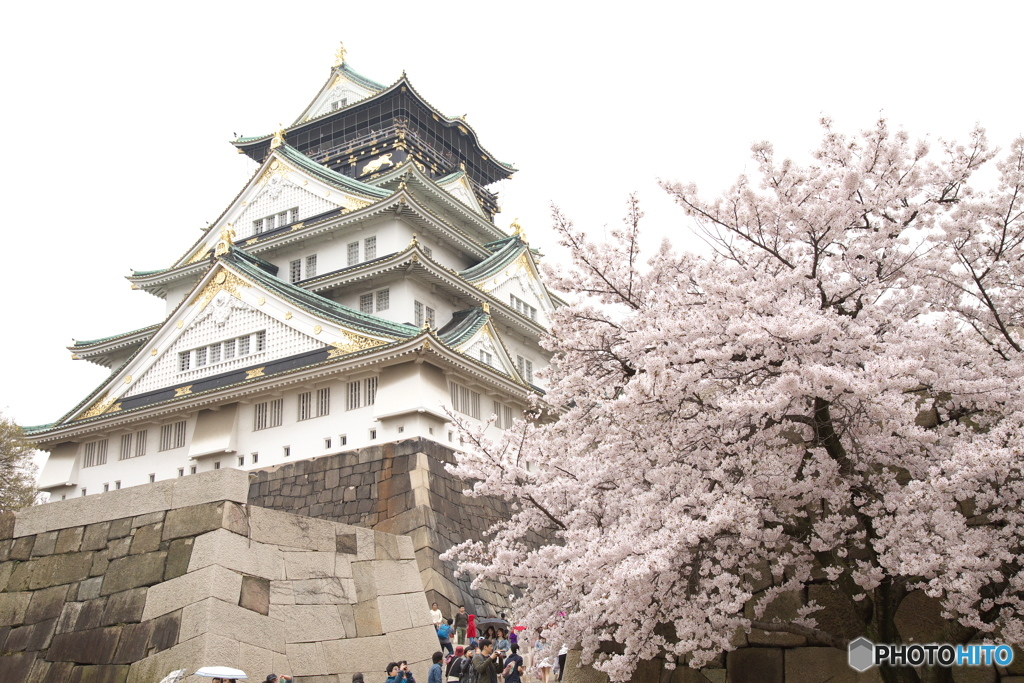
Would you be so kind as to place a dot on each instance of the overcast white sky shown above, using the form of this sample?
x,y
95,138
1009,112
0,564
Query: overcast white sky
x,y
116,119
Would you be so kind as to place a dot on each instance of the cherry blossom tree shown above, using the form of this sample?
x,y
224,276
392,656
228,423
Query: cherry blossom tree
x,y
832,394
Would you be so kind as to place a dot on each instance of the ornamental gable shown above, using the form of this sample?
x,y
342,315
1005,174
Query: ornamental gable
x,y
281,202
461,190
340,92
228,334
518,287
486,346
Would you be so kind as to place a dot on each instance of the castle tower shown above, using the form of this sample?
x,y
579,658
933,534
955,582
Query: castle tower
x,y
355,290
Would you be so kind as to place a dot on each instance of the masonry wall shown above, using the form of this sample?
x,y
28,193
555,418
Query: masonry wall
x,y
127,586
399,488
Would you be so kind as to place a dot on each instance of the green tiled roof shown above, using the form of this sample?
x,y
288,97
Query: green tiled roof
x,y
90,342
505,250
327,175
359,78
318,305
462,326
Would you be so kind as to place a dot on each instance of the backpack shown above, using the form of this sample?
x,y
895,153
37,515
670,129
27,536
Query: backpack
x,y
443,630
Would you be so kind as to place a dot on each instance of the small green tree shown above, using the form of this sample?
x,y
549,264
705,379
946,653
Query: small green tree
x,y
17,471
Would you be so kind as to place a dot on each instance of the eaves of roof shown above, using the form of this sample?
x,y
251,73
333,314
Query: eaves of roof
x,y
84,344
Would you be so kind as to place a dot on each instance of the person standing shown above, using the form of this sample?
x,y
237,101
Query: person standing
x,y
513,666
461,622
453,671
435,670
562,653
396,672
435,615
484,663
542,660
471,627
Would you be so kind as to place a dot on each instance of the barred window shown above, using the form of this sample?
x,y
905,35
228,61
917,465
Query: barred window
x,y
257,226
464,400
525,368
201,357
268,414
306,405
383,299
486,357
371,391
295,270
226,350
243,345
172,435
95,454
497,415
261,341
311,266
352,402
417,314
141,438
431,318
126,447
366,303
523,307
428,251
353,253
294,214
184,359
214,353
508,416
323,401
369,248
229,349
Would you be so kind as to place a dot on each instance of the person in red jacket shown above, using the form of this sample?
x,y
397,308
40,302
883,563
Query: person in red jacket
x,y
471,628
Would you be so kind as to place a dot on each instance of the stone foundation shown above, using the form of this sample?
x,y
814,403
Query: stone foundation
x,y
126,586
399,488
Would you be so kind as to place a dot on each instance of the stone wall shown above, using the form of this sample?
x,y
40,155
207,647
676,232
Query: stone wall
x,y
126,586
400,488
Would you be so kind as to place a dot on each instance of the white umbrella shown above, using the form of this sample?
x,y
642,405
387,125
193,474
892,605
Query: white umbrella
x,y
221,672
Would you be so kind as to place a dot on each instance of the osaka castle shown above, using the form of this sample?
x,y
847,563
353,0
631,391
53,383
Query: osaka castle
x,y
356,291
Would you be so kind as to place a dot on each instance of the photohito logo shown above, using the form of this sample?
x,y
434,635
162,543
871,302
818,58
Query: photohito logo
x,y
863,654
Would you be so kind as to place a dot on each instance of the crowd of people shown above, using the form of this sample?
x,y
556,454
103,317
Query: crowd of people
x,y
488,657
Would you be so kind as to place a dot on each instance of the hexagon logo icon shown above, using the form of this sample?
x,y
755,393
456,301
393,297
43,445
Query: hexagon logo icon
x,y
862,654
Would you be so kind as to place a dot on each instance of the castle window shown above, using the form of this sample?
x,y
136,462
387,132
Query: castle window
x,y
486,357
366,303
327,443
255,458
353,401
152,478
428,251
383,299
309,409
323,401
172,435
525,368
311,266
373,434
296,270
261,341
343,440
431,317
371,390
417,314
201,357
369,248
95,454
523,307
464,400
181,471
268,414
117,485
353,253
183,360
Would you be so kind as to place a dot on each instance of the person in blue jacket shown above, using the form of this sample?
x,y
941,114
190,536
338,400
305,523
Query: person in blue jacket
x,y
435,670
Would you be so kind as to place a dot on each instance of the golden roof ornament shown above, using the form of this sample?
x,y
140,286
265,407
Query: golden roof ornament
x,y
278,138
339,55
227,238
413,242
487,307
517,230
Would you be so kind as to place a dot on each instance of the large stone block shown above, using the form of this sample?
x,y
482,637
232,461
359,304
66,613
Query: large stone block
x,y
95,536
212,616
13,607
133,571
69,540
824,665
369,654
289,530
46,604
281,593
31,638
193,520
838,615
394,577
221,547
367,618
394,613
95,646
255,594
328,591
146,538
55,570
178,555
205,487
134,643
419,611
45,544
257,661
16,667
755,665
306,659
209,582
49,672
309,623
125,607
308,565
106,673
919,619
